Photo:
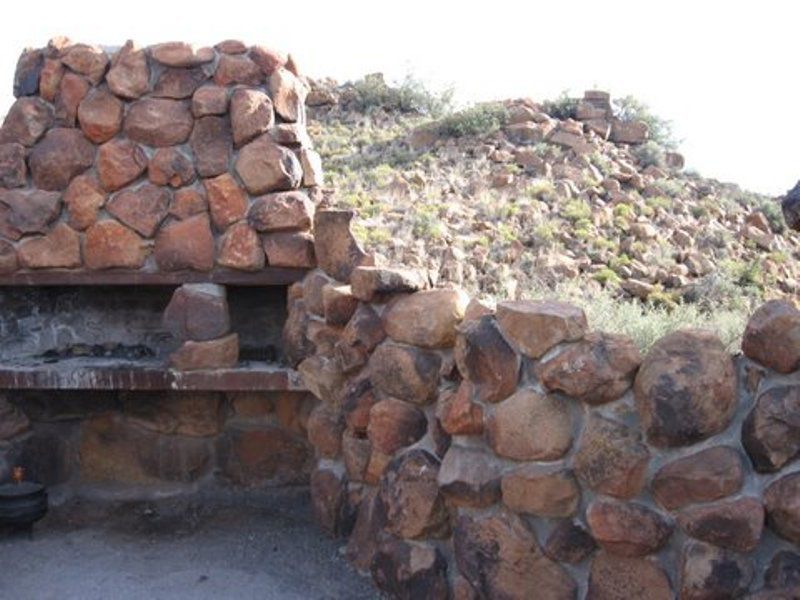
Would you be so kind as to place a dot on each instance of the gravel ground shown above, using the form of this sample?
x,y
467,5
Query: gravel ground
x,y
213,546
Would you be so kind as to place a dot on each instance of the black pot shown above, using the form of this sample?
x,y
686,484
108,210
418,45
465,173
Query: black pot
x,y
22,504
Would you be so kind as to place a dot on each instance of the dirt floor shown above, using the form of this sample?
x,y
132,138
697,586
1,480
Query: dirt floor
x,y
214,546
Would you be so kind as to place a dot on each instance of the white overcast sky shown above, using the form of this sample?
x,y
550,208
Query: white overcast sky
x,y
723,72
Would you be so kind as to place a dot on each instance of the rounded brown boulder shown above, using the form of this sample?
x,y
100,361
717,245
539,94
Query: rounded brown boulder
x,y
782,501
60,156
772,336
627,528
618,578
685,389
427,318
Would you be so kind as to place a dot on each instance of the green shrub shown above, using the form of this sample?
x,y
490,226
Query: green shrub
x,y
564,107
650,153
576,210
632,109
408,96
481,119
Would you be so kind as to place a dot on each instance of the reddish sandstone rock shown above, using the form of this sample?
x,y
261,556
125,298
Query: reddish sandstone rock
x,y
187,202
627,528
500,557
530,426
118,163
405,372
187,244
332,511
709,572
771,432
707,475
325,429
362,334
355,454
222,353
61,248
268,59
158,122
226,200
618,578
178,83
569,542
181,54
8,258
337,250
296,345
169,166
338,303
409,570
26,75
212,145
50,78
27,211
541,491
13,171
288,94
251,115
129,76
376,283
410,494
83,199
141,209
198,311
60,156
772,336
210,99
290,249
87,60
266,167
357,400
369,524
281,212
685,389
782,502
486,360
313,285
100,116
293,135
394,424
237,69
109,244
427,318
734,524
470,477
26,121
457,413
71,91
241,249
194,414
311,162
611,459
596,370
535,327
321,376
231,47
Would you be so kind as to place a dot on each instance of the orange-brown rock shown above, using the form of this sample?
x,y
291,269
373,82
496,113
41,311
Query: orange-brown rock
x,y
90,61
338,303
485,359
772,336
290,249
178,83
288,94
357,400
251,115
733,524
705,476
470,476
321,376
311,162
611,458
60,156
377,283
268,59
212,145
100,116
13,170
60,248
284,211
329,502
415,509
241,249
782,502
313,284
405,372
685,389
226,200
266,167
26,121
325,429
129,76
500,557
596,370
569,542
27,211
237,69
158,122
8,257
337,250
369,524
231,47
360,336
619,578
427,318
395,424
221,353
181,54
119,162
170,166
458,413
535,327
142,209
408,570
187,244
71,91
355,455
187,202
210,99
50,78
198,311
530,426
627,528
541,491
709,572
771,432
110,244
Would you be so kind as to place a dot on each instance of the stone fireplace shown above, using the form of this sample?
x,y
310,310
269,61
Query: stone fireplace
x,y
155,206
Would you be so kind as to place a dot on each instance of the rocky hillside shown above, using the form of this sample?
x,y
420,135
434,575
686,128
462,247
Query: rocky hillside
x,y
583,198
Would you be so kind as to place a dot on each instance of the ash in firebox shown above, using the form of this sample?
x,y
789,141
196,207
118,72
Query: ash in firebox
x,y
120,351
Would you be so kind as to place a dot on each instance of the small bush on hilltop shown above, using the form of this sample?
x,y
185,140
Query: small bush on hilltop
x,y
632,109
481,119
408,96
562,107
649,153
